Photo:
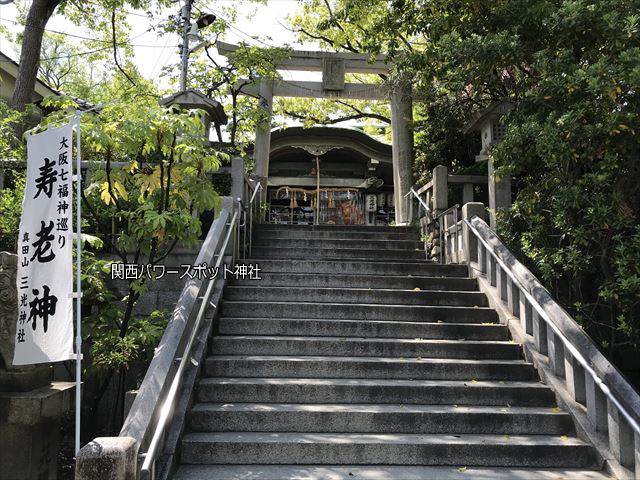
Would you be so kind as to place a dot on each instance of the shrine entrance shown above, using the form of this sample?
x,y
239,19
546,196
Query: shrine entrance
x,y
328,175
324,174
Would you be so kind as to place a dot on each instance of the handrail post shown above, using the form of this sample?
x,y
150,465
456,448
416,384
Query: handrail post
x,y
469,240
441,237
455,232
499,193
251,208
621,437
440,189
237,178
411,202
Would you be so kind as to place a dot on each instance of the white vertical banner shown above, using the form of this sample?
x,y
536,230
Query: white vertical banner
x,y
44,330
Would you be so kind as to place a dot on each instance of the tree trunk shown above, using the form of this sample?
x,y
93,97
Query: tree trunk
x,y
39,14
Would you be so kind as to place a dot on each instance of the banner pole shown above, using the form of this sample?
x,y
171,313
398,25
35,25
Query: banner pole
x,y
78,285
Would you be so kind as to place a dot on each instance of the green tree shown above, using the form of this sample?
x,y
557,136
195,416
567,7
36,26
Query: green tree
x,y
105,17
11,148
360,26
570,68
224,83
149,180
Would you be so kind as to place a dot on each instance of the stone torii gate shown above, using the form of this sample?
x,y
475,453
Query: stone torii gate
x,y
333,67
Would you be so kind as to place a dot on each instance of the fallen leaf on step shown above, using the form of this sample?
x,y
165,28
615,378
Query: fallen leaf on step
x,y
343,339
473,380
462,469
417,289
440,321
507,437
486,323
555,410
503,410
476,306
564,438
502,382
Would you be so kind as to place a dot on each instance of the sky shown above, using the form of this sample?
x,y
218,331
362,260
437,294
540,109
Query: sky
x,y
152,53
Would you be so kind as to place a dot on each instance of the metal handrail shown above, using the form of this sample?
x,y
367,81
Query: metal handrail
x,y
148,467
422,202
250,208
567,344
447,211
257,188
409,205
444,234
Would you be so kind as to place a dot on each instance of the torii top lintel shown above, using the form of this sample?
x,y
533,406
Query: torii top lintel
x,y
314,61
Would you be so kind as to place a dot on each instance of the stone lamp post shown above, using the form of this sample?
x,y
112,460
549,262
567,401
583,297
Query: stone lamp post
x,y
30,403
192,99
492,131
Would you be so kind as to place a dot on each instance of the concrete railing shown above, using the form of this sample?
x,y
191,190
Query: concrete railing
x,y
429,207
610,404
435,194
117,458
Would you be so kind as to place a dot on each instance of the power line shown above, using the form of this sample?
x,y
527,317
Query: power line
x,y
120,44
233,27
128,12
153,74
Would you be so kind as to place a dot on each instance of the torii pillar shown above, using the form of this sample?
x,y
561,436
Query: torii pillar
x,y
402,147
262,146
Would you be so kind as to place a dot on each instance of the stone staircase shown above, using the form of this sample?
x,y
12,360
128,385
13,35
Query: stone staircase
x,y
355,358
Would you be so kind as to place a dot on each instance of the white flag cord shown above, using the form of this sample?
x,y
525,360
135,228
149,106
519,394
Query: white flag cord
x,y
78,285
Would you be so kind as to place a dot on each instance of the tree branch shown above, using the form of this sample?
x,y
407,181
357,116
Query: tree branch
x,y
332,121
107,236
331,42
115,47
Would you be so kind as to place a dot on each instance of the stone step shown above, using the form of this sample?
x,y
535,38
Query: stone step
x,y
363,347
261,294
401,282
377,472
385,418
271,366
386,449
359,311
406,392
361,243
361,328
303,253
330,267
295,234
368,229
